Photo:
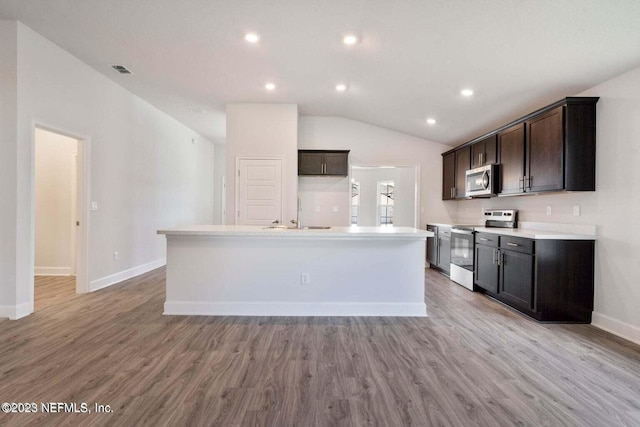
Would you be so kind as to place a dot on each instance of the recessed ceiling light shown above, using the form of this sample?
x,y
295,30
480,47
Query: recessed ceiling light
x,y
252,37
341,87
466,92
270,86
349,39
431,121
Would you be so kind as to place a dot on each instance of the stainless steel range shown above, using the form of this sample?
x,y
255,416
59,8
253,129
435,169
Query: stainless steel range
x,y
463,244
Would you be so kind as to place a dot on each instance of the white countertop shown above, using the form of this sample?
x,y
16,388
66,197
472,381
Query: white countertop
x,y
536,234
264,231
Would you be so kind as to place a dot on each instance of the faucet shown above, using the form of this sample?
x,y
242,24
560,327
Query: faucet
x,y
297,220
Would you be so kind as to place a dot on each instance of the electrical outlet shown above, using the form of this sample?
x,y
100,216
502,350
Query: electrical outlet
x,y
115,256
94,206
548,209
317,208
336,209
576,210
304,278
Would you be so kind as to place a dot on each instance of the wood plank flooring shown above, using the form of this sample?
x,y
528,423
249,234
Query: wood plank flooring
x,y
471,362
51,290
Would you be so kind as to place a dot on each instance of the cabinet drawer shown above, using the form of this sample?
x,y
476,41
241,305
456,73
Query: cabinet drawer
x,y
518,244
488,239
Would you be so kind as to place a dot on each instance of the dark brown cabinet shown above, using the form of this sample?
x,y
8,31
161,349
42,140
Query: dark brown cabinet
x,y
511,157
463,162
323,162
549,280
552,149
454,168
484,152
545,140
516,278
448,176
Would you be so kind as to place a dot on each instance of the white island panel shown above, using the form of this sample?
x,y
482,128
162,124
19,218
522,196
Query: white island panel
x,y
250,271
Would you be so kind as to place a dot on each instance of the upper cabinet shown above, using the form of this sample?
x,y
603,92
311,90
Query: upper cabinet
x,y
511,154
483,152
454,168
463,163
545,143
448,176
323,162
552,149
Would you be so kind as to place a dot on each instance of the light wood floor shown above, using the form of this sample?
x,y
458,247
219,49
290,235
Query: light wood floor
x,y
471,362
51,290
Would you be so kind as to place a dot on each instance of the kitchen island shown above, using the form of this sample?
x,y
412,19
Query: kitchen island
x,y
264,271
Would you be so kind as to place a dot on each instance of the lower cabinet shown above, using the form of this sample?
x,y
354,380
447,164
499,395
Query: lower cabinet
x,y
549,280
516,278
439,248
444,249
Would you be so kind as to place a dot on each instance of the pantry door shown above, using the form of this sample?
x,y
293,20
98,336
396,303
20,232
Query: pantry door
x,y
259,191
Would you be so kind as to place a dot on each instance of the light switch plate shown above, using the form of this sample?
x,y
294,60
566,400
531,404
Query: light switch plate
x,y
576,210
94,206
548,209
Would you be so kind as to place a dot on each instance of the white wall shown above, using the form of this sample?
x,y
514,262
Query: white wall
x,y
219,172
404,208
8,178
324,200
55,203
263,130
614,207
145,172
374,146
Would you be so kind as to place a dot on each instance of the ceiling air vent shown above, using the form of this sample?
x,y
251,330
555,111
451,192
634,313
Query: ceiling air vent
x,y
121,69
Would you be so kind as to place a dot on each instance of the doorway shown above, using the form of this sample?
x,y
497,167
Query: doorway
x,y
385,196
60,174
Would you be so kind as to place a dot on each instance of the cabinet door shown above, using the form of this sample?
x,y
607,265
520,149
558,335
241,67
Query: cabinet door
x,y
336,164
511,157
545,148
486,268
448,176
462,165
516,278
444,253
310,163
432,246
483,152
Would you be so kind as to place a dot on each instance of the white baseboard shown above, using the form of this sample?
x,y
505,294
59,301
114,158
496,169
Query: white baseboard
x,y
112,279
616,327
53,271
240,308
15,312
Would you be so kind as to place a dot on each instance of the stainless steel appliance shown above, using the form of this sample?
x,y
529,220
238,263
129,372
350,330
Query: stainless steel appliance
x,y
482,181
462,246
502,218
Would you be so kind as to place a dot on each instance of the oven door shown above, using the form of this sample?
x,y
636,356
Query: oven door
x,y
462,248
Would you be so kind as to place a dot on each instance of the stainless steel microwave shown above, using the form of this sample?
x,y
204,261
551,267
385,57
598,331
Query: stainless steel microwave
x,y
482,181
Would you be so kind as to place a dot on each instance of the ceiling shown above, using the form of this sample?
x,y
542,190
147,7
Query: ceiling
x,y
189,57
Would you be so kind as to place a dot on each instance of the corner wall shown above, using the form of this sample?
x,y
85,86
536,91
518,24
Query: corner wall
x,y
8,148
145,172
614,207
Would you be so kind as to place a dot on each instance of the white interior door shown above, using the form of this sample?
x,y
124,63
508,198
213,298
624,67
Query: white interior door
x,y
259,194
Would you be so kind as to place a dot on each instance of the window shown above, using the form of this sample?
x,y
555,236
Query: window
x,y
385,203
355,201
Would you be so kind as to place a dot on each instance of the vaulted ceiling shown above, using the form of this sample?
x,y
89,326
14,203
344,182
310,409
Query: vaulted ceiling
x,y
189,58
